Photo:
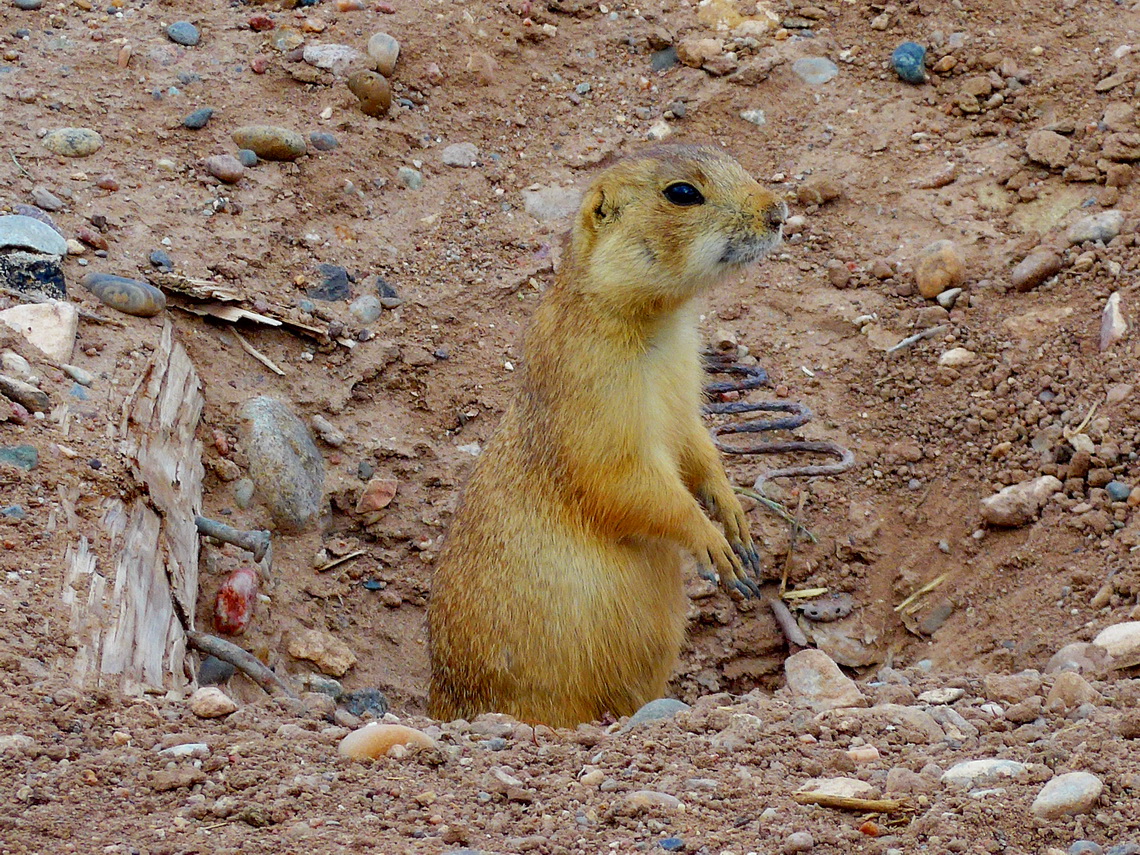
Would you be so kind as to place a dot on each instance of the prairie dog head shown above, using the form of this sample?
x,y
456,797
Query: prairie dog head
x,y
659,227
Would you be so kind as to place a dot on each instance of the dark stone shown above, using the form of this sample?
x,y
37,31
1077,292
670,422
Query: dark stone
x,y
335,287
365,701
161,260
672,844
32,273
660,60
214,671
389,298
198,119
247,157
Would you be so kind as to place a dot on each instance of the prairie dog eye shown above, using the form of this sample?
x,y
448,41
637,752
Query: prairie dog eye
x,y
683,194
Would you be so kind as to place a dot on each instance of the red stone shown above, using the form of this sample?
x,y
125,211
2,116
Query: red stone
x,y
260,23
258,64
236,600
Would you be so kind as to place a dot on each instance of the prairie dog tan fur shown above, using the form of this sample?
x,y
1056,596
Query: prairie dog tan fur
x,y
559,596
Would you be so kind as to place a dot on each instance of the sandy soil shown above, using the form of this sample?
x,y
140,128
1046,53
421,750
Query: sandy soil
x,y
876,168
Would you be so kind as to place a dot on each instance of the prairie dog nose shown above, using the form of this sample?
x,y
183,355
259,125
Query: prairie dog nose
x,y
776,215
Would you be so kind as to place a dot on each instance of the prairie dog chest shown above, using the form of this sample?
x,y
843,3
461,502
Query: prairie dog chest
x,y
671,377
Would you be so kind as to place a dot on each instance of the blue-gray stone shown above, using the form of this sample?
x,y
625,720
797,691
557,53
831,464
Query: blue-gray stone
x,y
24,456
815,70
28,5
247,157
655,710
324,685
188,77
365,701
335,285
496,743
1085,847
20,232
161,260
660,60
909,62
322,141
198,119
672,844
183,33
1118,491
365,470
33,273
13,512
284,462
213,671
1124,849
77,391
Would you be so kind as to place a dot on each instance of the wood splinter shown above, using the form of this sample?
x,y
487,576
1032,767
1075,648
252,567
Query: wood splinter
x,y
851,803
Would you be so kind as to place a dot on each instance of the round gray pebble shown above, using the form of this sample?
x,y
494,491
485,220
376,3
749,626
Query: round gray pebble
x,y
247,157
366,308
198,119
413,179
161,260
655,710
1118,491
365,701
799,841
322,141
28,5
129,296
183,33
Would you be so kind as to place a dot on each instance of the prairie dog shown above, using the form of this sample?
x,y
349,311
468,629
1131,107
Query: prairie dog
x,y
559,595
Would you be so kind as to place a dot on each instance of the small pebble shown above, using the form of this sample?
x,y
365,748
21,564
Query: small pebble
x,y
460,154
225,167
107,181
28,5
672,844
214,671
1103,227
1118,491
323,141
376,740
815,70
261,22
384,51
1068,794
1036,268
246,157
939,266
373,91
909,62
799,841
389,299
413,179
47,200
183,33
337,58
1085,847
198,119
365,701
211,702
14,512
73,142
366,308
161,261
129,296
754,116
270,142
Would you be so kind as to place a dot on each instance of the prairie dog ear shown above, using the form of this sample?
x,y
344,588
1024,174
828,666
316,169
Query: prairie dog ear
x,y
600,207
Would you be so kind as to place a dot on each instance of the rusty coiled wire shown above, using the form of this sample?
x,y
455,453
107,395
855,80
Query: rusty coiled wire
x,y
754,377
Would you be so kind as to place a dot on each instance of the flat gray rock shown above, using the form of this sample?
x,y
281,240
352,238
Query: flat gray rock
x,y
287,469
20,232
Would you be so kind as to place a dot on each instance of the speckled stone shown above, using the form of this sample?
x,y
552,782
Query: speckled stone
x,y
284,462
323,141
909,62
73,142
